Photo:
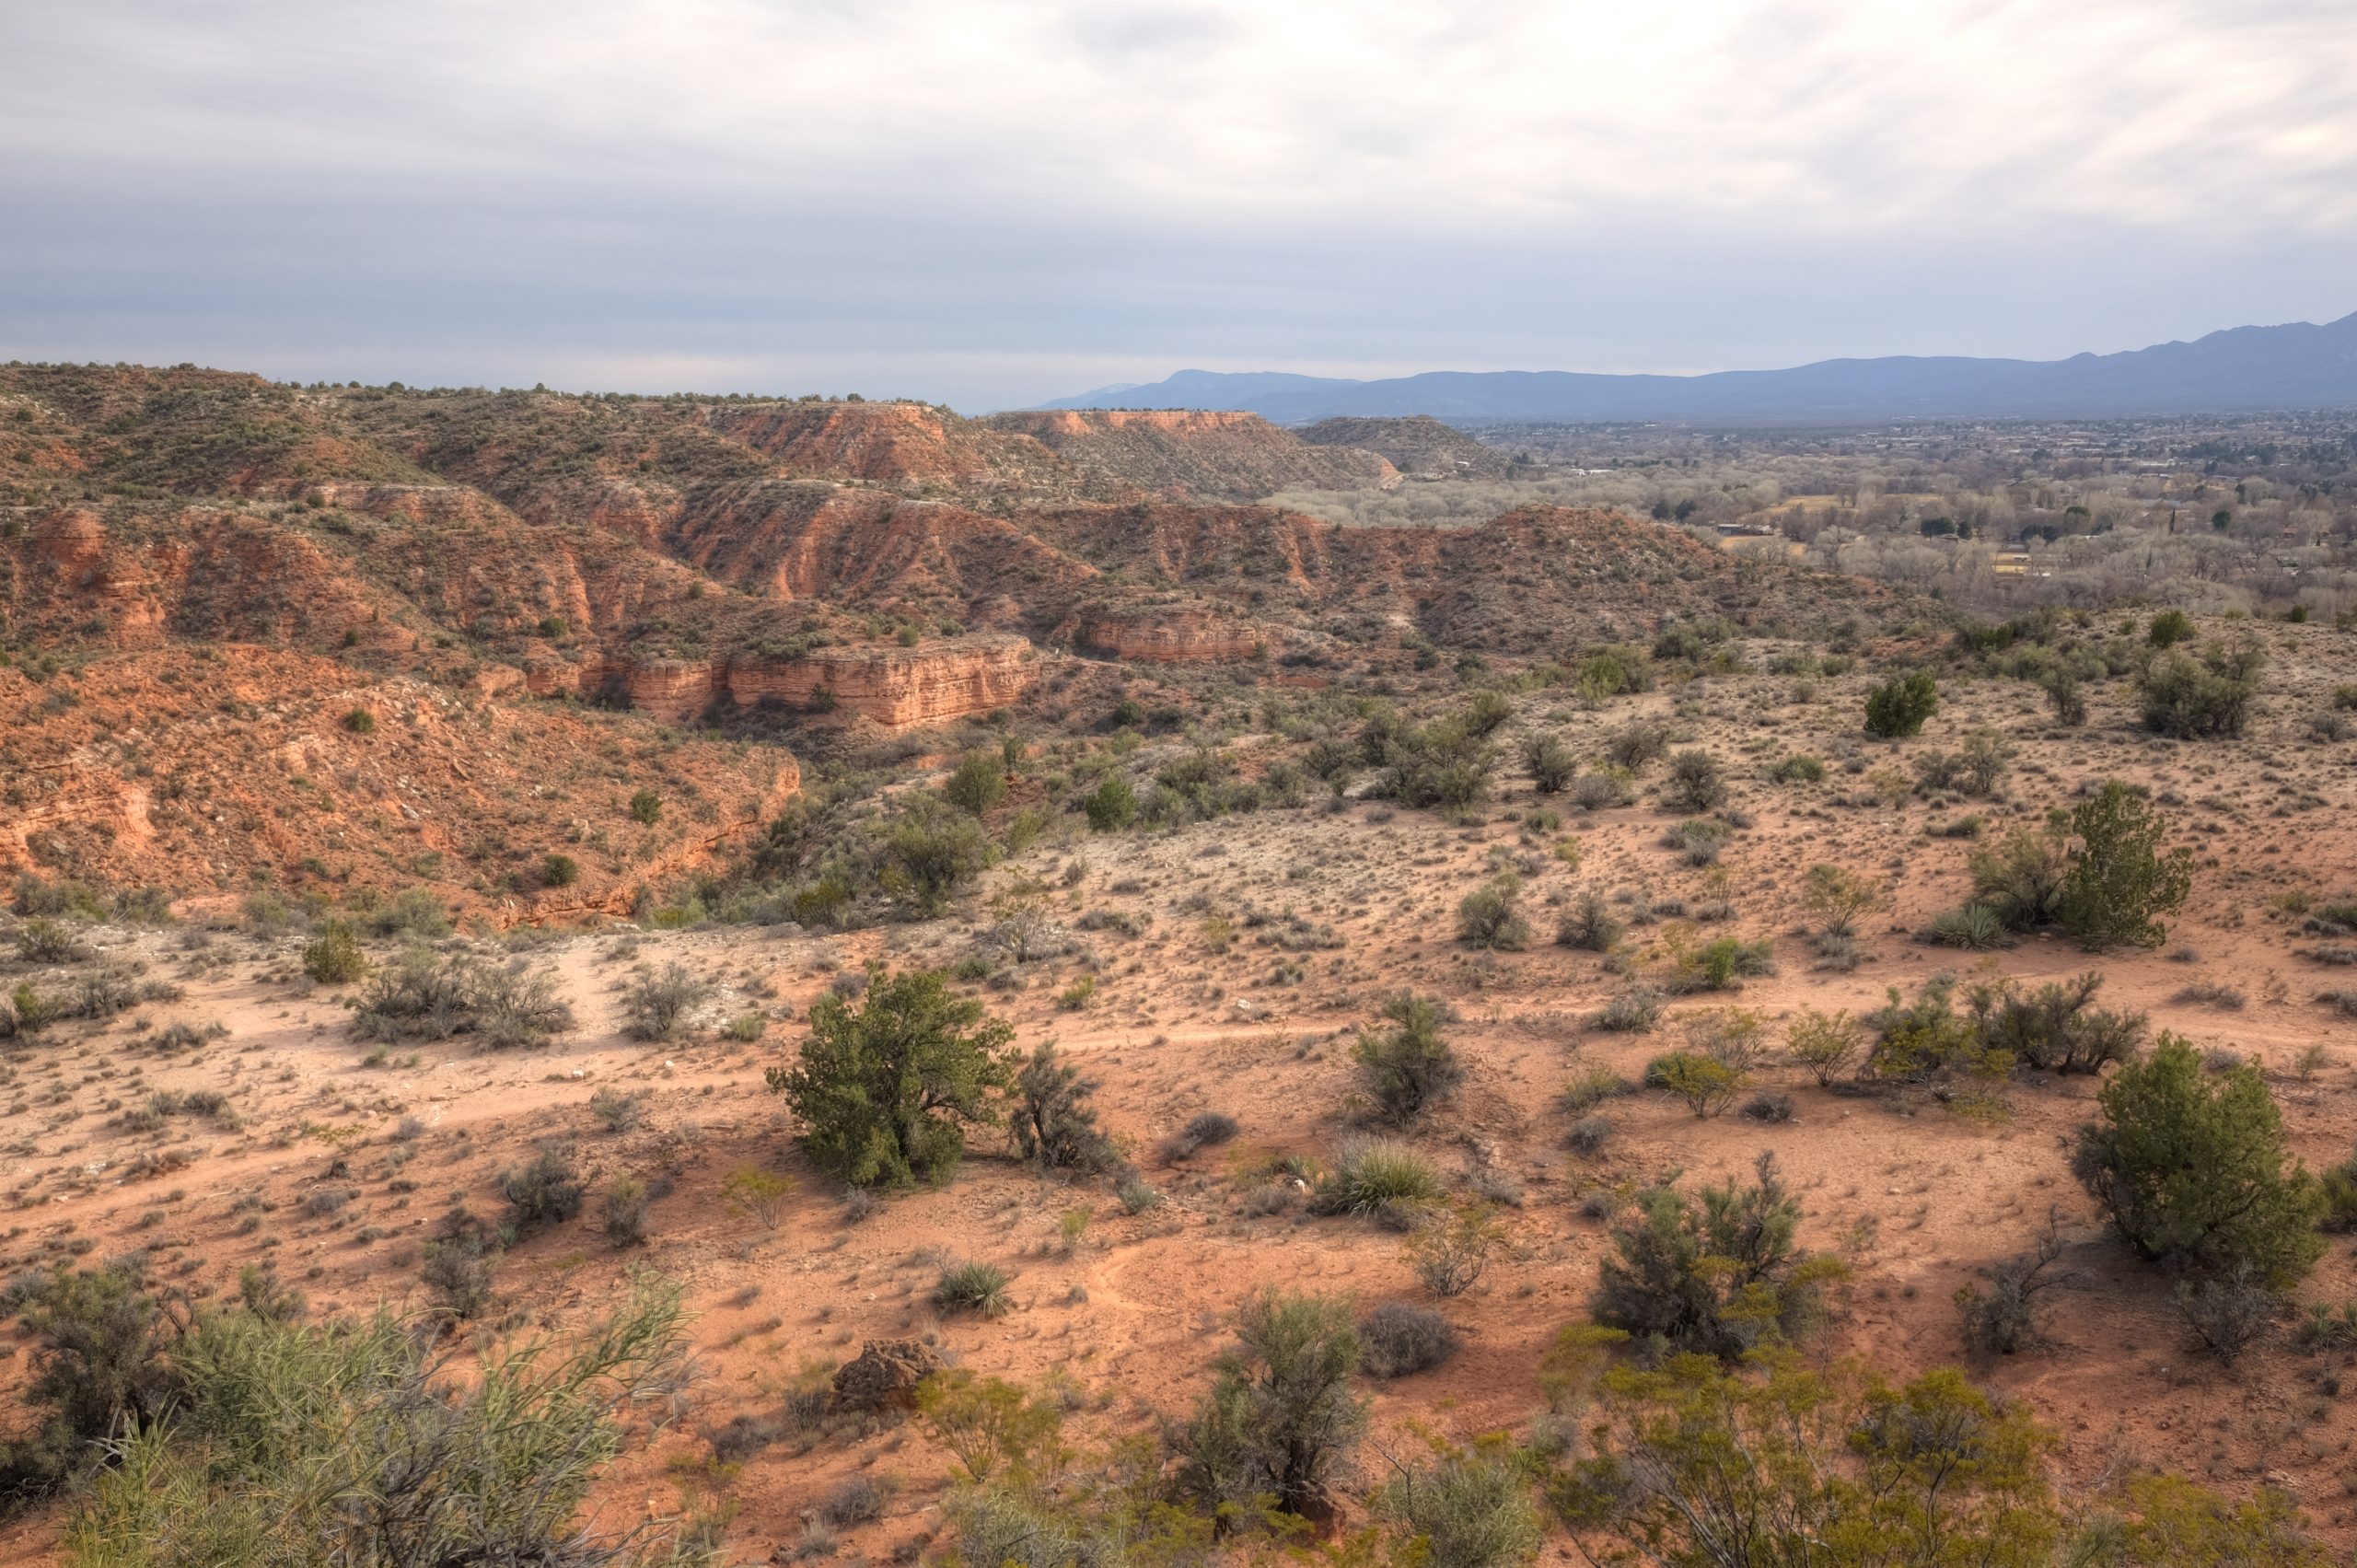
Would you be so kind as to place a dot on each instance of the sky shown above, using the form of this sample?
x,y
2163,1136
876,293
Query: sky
x,y
990,203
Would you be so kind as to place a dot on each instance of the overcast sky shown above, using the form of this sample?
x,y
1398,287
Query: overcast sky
x,y
988,203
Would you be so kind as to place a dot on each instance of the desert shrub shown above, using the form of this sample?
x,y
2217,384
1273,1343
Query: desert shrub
x,y
1053,1122
2003,1319
928,856
1824,1043
1207,1127
460,1265
1634,744
361,1444
1372,1172
560,870
1835,896
656,1001
1467,1509
1551,764
1399,1338
1707,1085
1982,765
1406,1064
1587,923
2169,628
2193,1171
617,1110
1634,1011
1974,927
974,1286
1612,670
2191,699
2055,1028
97,1340
1695,783
1798,769
1279,1417
547,1190
414,912
625,1212
1723,963
2120,881
434,997
1698,840
1717,1276
333,957
1927,1042
645,807
1589,1135
1487,713
1451,1253
1602,791
45,941
2228,1312
1899,707
1775,1464
977,784
1769,1105
2065,699
2020,878
884,1091
1486,917
1446,764
1111,805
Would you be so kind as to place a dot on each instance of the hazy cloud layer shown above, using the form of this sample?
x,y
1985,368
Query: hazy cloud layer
x,y
992,202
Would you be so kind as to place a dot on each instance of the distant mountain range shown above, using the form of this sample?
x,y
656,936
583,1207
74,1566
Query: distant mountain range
x,y
2299,365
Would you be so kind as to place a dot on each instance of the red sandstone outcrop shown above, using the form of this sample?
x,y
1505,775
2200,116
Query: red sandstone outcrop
x,y
1169,634
898,688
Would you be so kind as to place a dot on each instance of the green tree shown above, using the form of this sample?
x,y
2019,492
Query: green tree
x,y
1899,707
2119,881
927,858
2191,698
2194,1172
884,1089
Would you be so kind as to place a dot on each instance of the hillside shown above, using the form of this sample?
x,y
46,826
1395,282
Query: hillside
x,y
1211,456
1419,447
2297,366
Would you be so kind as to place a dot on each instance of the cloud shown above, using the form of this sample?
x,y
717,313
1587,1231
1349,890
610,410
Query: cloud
x,y
979,194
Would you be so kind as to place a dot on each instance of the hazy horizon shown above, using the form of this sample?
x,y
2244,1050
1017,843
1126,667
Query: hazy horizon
x,y
989,206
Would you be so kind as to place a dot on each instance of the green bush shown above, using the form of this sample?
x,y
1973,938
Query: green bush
x,y
2169,628
625,1212
1553,764
1279,1419
1706,1084
927,859
1054,1123
1372,1172
2191,699
1407,1066
1899,707
1719,1276
1695,783
975,1287
656,1002
2120,881
1587,923
884,1091
646,808
362,1443
1111,805
1487,917
2056,1028
544,1192
97,1340
1612,671
2195,1173
1467,1509
2019,878
333,957
977,784
560,871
